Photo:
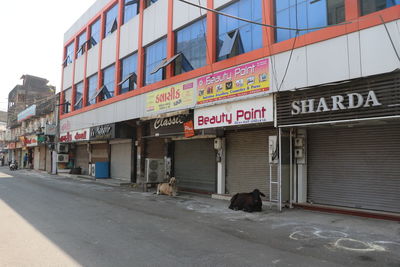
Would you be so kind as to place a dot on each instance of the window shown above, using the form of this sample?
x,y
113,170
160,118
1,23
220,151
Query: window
x,y
81,45
128,74
78,96
310,14
108,88
155,54
191,43
236,37
369,6
111,20
131,9
67,100
69,54
94,34
92,87
150,2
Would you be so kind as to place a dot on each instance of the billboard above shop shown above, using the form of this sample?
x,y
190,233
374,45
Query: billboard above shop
x,y
175,97
235,82
102,132
27,113
255,110
75,136
31,140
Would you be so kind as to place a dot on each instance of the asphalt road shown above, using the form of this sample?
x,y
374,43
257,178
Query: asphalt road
x,y
53,221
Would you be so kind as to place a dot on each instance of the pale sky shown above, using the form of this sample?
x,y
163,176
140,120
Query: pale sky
x,y
31,40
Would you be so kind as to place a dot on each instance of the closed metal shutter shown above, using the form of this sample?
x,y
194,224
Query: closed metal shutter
x,y
36,158
121,161
42,160
82,158
48,160
195,166
100,152
355,167
247,165
155,148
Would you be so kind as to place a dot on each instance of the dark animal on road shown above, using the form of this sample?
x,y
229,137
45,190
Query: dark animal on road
x,y
248,202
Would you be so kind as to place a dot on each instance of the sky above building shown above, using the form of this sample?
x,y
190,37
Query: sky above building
x,y
32,40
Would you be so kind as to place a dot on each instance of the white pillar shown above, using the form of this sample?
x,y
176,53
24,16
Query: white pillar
x,y
221,168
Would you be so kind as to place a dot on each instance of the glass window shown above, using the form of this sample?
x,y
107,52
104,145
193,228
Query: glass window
x,y
128,73
111,20
79,95
94,34
69,54
67,100
131,9
239,36
310,14
81,44
369,6
191,42
155,53
150,2
108,87
92,87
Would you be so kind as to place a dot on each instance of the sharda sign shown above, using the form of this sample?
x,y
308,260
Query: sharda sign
x,y
363,98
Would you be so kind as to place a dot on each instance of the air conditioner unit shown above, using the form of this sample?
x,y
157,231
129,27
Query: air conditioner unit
x,y
62,158
155,170
92,169
62,148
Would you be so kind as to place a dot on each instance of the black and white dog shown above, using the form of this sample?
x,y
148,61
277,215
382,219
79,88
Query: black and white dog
x,y
248,202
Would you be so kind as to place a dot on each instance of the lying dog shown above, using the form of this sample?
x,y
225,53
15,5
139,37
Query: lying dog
x,y
248,202
168,189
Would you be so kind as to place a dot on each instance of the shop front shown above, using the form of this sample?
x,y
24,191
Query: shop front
x,y
242,147
31,154
346,143
73,153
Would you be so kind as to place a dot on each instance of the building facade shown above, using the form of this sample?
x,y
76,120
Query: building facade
x,y
225,104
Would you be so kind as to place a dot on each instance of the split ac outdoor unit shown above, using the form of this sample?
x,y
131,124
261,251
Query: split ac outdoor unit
x,y
62,158
155,170
62,148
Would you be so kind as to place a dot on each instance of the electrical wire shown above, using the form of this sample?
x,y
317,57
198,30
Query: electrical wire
x,y
390,38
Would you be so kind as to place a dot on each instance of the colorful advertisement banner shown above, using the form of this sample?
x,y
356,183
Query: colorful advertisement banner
x,y
177,96
242,80
75,136
27,113
31,140
256,110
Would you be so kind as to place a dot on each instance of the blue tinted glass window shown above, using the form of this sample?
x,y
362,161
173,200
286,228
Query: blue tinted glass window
x,y
69,54
191,42
108,82
78,95
370,6
131,9
81,46
92,87
94,34
129,66
67,100
155,53
111,20
249,35
306,14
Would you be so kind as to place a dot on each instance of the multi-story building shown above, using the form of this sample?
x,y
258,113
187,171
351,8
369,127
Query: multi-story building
x,y
296,98
30,109
3,130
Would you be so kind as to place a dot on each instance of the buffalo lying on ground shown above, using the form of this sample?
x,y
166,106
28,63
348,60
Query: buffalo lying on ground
x,y
248,202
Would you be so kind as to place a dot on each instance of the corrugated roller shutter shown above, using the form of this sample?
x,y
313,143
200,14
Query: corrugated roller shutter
x,y
121,161
42,161
247,165
195,166
155,148
82,158
355,167
99,152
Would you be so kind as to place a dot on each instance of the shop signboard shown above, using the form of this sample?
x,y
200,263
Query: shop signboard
x,y
27,113
102,132
75,136
358,99
256,110
11,145
169,126
31,140
239,81
178,96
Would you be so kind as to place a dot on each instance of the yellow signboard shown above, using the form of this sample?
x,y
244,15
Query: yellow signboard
x,y
172,97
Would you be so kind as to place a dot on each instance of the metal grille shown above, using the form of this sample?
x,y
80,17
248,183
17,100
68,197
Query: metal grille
x,y
195,166
247,165
355,167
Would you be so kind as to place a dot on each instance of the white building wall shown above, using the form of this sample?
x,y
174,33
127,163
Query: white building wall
x,y
92,61
219,3
155,22
187,13
129,37
67,81
108,50
79,68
